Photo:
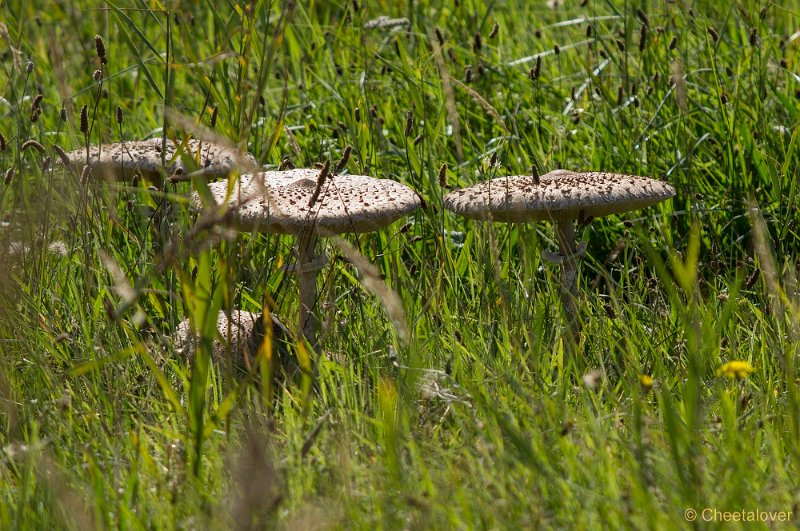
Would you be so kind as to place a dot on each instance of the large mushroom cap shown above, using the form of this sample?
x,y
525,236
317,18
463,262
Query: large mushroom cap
x,y
278,202
560,194
123,160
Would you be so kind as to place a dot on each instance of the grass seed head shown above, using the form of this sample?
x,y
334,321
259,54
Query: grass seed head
x,y
29,67
443,175
84,119
753,37
495,30
62,155
712,31
477,43
673,43
323,175
643,17
588,30
343,161
97,75
33,144
63,114
409,123
357,115
286,164
439,36
101,49
3,144
119,115
535,174
9,175
643,38
214,114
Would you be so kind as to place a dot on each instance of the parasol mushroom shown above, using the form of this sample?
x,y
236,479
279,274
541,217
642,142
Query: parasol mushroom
x,y
308,204
125,160
562,197
242,336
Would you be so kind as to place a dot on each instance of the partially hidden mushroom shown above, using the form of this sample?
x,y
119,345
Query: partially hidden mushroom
x,y
310,203
561,197
123,161
239,339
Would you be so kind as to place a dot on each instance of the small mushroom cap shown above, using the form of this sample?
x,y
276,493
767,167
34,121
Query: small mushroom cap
x,y
123,160
560,194
243,341
278,202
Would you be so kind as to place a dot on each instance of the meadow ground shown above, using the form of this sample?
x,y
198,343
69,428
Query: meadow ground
x,y
470,410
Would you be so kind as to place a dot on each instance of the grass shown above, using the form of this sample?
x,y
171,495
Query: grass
x,y
482,418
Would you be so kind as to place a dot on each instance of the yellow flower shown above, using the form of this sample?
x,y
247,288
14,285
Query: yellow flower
x,y
647,382
738,369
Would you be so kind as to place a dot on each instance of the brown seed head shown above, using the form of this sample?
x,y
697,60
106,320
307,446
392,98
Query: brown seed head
x,y
32,144
409,123
477,43
754,37
495,30
63,114
712,31
3,144
343,161
101,49
9,176
643,38
643,17
443,175
323,175
673,43
84,119
97,75
119,115
62,155
439,36
214,113
286,164
535,174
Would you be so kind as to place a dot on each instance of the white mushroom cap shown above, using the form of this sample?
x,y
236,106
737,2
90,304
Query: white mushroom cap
x,y
278,202
121,161
560,194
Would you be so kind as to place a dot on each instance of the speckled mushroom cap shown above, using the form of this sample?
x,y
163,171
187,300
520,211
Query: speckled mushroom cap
x,y
122,160
346,203
246,333
560,194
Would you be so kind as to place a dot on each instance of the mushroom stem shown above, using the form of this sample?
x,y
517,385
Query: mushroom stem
x,y
565,236
307,279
